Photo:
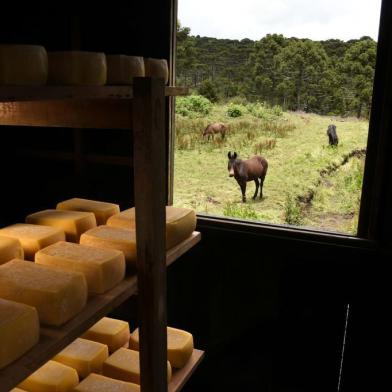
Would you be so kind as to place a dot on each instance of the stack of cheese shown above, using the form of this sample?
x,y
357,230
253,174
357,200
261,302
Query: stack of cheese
x,y
120,231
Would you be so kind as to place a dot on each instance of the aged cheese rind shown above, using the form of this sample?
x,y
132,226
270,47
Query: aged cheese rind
x,y
107,237
179,346
73,223
98,383
57,295
23,65
122,69
77,68
112,332
124,365
10,248
180,223
102,268
33,237
100,209
19,330
51,377
85,356
157,68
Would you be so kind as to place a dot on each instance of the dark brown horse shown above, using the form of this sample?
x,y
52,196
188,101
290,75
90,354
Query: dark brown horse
x,y
253,169
214,128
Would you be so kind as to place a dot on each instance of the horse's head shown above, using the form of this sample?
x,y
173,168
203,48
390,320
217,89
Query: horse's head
x,y
230,165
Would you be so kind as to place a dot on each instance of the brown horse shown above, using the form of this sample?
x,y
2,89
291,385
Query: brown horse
x,y
253,169
214,128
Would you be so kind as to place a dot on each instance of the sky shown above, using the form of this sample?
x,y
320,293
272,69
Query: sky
x,y
253,19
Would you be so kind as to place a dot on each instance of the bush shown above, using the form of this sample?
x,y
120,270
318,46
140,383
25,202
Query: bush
x,y
208,90
292,211
244,211
235,110
193,106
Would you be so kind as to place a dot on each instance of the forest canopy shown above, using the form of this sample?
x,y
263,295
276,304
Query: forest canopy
x,y
331,77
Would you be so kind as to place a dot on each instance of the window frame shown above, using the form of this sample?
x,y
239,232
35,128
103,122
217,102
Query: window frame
x,y
376,188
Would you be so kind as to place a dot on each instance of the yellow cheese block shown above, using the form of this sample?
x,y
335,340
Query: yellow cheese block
x,y
112,332
100,209
107,237
77,68
23,65
102,268
73,223
124,365
33,237
10,248
17,390
51,377
97,383
19,330
180,223
157,68
122,69
179,346
58,295
85,356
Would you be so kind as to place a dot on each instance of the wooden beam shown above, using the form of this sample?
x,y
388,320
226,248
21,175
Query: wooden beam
x,y
99,114
150,197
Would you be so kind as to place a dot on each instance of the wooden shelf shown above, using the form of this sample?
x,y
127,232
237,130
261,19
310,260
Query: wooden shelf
x,y
52,93
52,340
181,376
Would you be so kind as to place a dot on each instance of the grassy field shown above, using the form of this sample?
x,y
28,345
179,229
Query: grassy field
x,y
308,183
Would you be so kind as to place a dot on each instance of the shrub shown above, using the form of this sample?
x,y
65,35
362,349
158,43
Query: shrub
x,y
292,211
244,211
193,106
208,90
235,110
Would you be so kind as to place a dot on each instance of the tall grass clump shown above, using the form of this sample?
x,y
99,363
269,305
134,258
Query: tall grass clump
x,y
267,144
193,106
292,211
243,211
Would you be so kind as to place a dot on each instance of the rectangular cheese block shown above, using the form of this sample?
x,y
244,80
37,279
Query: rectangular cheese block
x,y
157,68
33,237
112,332
23,65
102,268
179,346
180,223
100,209
98,383
10,248
122,69
19,330
85,356
124,365
77,68
73,223
51,377
57,295
107,237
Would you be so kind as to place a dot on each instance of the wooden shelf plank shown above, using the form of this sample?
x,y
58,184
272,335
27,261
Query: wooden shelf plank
x,y
52,340
51,93
181,376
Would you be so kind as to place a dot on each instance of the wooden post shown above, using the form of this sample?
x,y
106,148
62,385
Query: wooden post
x,y
149,168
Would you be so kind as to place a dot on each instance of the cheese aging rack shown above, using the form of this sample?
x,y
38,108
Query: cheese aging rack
x,y
141,109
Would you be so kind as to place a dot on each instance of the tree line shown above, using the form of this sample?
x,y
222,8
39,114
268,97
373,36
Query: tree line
x,y
331,77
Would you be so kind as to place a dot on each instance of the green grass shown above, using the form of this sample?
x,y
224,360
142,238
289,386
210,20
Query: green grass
x,y
296,147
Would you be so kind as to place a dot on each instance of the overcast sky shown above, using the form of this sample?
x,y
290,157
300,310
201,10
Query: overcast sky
x,y
315,19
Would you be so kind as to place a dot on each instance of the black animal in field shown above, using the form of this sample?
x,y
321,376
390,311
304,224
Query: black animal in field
x,y
253,169
332,135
